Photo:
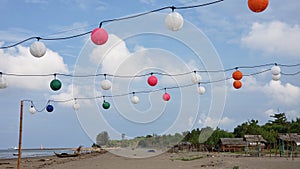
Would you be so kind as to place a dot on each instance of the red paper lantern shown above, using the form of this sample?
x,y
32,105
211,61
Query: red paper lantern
x,y
152,80
237,84
166,97
99,36
237,75
258,5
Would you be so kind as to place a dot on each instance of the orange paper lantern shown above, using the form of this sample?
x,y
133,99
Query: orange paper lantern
x,y
258,5
237,84
237,75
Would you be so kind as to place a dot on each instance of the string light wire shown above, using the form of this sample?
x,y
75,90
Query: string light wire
x,y
109,20
159,89
156,73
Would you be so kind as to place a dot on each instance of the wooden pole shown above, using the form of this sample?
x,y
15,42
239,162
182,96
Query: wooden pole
x,y
20,136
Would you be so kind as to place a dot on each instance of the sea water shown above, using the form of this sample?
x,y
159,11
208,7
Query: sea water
x,y
12,153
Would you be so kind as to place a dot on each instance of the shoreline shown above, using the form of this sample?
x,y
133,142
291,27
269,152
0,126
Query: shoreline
x,y
189,160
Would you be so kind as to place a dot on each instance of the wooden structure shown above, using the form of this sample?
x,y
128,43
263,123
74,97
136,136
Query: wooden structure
x,y
181,147
63,155
255,145
232,144
290,143
255,141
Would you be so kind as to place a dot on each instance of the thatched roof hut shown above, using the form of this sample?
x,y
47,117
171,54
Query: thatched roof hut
x,y
232,144
290,137
254,138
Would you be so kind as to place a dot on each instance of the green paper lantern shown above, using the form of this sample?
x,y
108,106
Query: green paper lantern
x,y
55,84
105,105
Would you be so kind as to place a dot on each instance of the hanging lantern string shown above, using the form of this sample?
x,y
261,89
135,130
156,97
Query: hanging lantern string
x,y
290,74
32,104
109,20
256,73
156,73
159,9
200,5
135,92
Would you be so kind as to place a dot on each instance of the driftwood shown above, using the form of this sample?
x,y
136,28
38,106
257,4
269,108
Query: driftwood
x,y
75,154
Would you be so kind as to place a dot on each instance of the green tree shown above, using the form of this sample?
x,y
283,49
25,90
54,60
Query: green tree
x,y
102,138
279,118
250,127
216,135
295,126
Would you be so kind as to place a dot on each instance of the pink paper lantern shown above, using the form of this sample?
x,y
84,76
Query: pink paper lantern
x,y
152,80
166,97
99,36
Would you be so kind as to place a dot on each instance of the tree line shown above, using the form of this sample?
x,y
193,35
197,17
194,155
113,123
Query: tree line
x,y
209,136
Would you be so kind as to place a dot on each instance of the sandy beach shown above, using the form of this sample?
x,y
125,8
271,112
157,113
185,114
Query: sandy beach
x,y
191,160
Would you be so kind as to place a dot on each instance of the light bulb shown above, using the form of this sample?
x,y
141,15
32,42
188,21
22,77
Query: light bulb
x,y
38,49
76,106
99,36
55,84
166,97
201,90
105,84
32,110
135,99
275,70
152,80
3,83
276,77
196,78
106,105
174,21
49,108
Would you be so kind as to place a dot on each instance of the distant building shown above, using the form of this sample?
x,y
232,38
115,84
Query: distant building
x,y
290,138
248,142
255,141
232,144
289,143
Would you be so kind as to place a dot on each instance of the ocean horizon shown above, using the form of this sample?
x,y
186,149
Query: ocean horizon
x,y
32,152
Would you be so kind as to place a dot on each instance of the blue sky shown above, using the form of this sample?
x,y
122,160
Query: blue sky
x,y
239,37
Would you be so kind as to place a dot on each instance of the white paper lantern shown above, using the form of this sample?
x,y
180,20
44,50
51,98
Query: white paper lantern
x,y
3,83
38,49
105,84
135,99
32,110
201,90
275,70
276,77
174,21
76,106
196,78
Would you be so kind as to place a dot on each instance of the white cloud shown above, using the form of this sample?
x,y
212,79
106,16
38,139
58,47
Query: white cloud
x,y
110,55
69,30
274,38
214,122
226,121
287,94
191,121
270,112
14,35
19,61
115,58
148,2
292,114
69,93
277,91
